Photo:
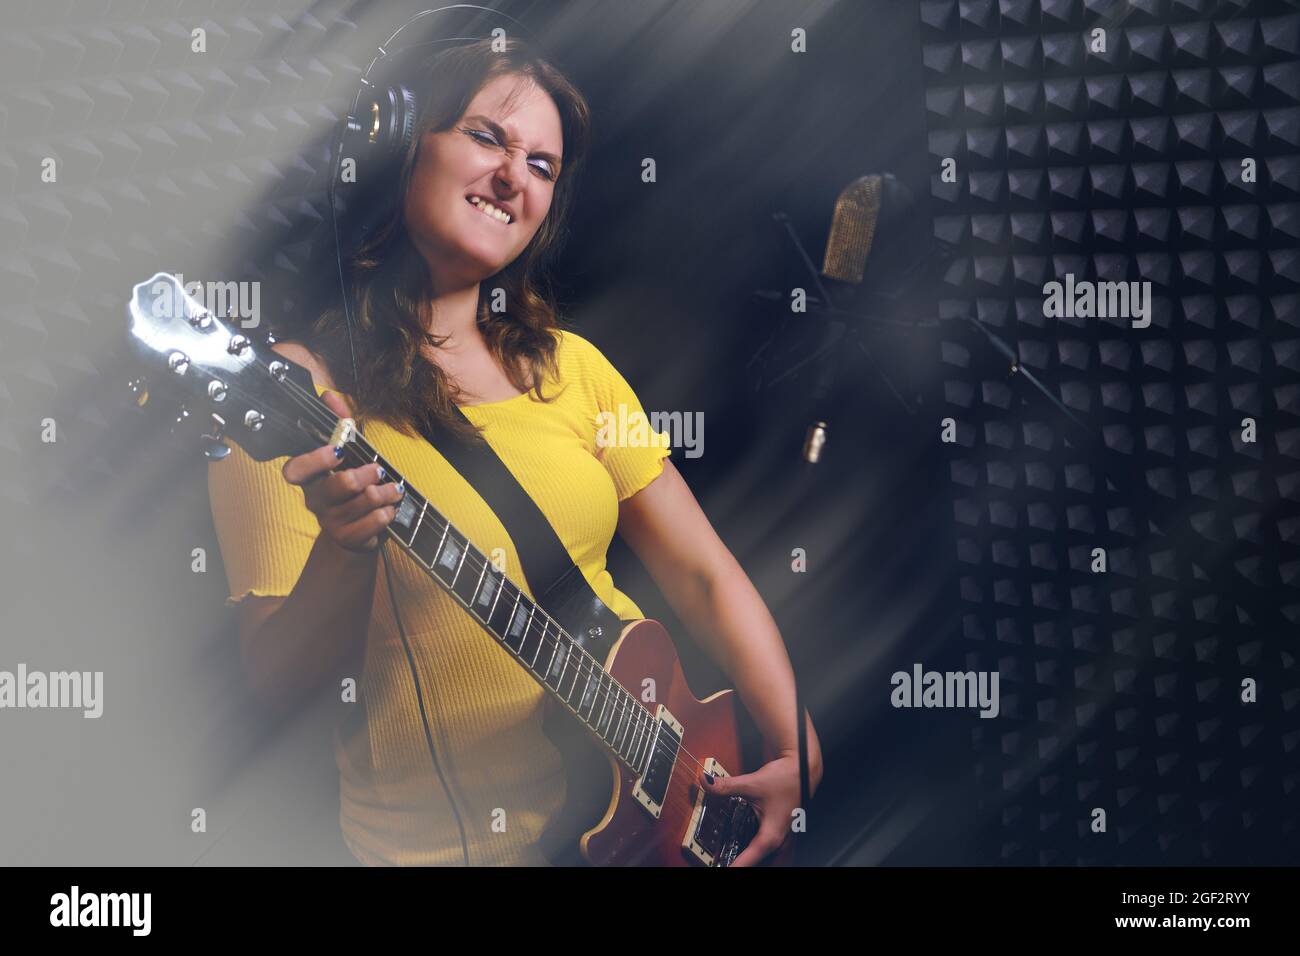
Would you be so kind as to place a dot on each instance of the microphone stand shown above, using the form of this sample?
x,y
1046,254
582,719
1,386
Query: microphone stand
x,y
833,342
1017,368
800,715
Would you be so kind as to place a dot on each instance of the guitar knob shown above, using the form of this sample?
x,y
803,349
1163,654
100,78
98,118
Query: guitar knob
x,y
202,321
178,362
216,390
237,344
254,419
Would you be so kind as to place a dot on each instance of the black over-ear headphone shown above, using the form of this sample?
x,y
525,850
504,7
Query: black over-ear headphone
x,y
376,135
378,130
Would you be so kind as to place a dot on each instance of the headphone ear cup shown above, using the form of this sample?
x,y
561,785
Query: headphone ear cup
x,y
377,139
397,118
382,130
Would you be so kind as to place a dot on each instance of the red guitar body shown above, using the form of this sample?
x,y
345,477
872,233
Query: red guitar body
x,y
628,834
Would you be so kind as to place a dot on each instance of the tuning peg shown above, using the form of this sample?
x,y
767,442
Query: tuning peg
x,y
215,448
270,338
139,391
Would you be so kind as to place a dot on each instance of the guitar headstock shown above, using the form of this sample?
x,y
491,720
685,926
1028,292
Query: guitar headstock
x,y
219,378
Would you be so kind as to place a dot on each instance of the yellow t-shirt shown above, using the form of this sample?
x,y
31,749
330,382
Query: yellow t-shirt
x,y
484,709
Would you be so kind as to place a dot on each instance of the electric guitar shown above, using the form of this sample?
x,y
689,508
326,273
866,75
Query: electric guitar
x,y
235,389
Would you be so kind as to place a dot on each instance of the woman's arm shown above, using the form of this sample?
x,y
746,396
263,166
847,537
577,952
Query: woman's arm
x,y
290,644
666,528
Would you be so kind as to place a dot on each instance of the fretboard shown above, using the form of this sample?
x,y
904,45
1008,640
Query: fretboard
x,y
514,619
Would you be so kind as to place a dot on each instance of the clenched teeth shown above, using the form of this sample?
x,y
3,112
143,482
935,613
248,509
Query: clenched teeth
x,y
484,206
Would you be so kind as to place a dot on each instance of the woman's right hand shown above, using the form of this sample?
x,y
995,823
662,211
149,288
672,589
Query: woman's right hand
x,y
351,504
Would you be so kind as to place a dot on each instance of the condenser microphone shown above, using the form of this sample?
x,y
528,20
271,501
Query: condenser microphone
x,y
865,208
872,206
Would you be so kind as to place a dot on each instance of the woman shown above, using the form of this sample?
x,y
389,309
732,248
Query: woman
x,y
486,187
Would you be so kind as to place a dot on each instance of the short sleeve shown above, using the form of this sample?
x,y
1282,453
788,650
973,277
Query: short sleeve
x,y
627,443
264,528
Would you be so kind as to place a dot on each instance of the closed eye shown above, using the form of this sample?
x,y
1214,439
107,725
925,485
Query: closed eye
x,y
489,139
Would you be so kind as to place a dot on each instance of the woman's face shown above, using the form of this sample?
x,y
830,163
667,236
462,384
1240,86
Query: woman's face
x,y
505,154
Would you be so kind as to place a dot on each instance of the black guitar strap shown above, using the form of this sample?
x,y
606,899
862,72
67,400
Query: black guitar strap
x,y
556,582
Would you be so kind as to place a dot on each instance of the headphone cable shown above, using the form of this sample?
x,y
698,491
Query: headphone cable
x,y
383,552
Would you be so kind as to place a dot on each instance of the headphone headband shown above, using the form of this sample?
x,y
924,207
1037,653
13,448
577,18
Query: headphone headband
x,y
378,131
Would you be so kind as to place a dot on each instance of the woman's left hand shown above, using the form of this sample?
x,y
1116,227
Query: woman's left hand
x,y
773,789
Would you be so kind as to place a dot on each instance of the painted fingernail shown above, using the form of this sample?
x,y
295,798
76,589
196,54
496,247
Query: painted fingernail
x,y
709,779
382,474
338,451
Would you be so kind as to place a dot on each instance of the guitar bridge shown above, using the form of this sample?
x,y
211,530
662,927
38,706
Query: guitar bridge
x,y
721,827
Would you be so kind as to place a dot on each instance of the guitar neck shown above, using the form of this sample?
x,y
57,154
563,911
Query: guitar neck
x,y
519,624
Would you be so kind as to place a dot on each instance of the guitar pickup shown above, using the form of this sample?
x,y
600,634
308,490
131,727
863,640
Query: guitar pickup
x,y
652,786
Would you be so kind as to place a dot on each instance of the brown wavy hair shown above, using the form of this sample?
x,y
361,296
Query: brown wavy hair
x,y
389,281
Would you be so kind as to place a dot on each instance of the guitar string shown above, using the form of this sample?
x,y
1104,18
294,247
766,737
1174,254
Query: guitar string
x,y
645,721
325,419
624,701
624,704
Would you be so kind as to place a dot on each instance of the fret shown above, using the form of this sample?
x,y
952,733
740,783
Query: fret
x,y
579,661
500,616
531,644
464,586
446,526
499,585
514,627
565,649
599,675
610,709
620,725
489,591
406,519
559,649
638,752
463,553
630,725
615,710
629,738
633,727
450,555
572,656
587,692
623,717
466,592
598,704
559,666
423,546
633,741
